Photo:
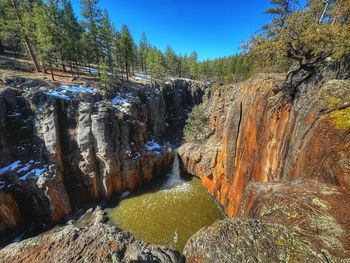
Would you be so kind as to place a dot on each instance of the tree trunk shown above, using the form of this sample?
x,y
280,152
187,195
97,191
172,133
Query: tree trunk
x,y
2,49
26,39
89,69
63,66
77,67
324,12
52,76
126,71
71,68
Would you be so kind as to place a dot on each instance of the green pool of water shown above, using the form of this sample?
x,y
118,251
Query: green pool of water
x,y
167,216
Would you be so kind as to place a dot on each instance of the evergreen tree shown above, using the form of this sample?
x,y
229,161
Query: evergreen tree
x,y
280,10
125,51
107,33
142,52
172,62
20,15
193,65
44,36
55,14
156,62
92,23
71,36
105,78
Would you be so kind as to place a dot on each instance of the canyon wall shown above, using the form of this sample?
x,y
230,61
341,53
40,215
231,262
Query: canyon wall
x,y
64,147
277,159
260,135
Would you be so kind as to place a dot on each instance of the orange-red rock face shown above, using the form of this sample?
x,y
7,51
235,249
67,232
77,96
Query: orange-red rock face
x,y
261,136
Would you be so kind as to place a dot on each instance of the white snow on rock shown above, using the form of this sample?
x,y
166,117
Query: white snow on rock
x,y
140,76
124,194
35,173
25,171
15,114
26,167
12,167
123,102
67,92
153,146
94,71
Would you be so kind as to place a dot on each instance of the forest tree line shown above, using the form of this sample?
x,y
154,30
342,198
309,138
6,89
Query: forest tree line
x,y
52,36
50,33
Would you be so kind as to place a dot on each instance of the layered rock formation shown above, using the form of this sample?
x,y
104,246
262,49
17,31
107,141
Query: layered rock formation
x,y
63,147
261,136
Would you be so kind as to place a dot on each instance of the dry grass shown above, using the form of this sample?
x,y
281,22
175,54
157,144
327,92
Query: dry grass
x,y
14,66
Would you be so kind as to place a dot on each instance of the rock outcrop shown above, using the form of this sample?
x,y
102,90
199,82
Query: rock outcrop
x,y
67,146
96,243
297,221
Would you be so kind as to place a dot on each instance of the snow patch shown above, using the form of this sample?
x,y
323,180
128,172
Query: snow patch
x,y
94,71
24,171
124,194
154,147
35,173
122,102
12,167
25,167
15,114
67,92
140,76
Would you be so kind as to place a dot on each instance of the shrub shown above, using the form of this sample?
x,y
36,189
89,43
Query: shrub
x,y
196,123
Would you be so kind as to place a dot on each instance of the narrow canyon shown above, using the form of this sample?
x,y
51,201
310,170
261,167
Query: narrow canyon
x,y
278,161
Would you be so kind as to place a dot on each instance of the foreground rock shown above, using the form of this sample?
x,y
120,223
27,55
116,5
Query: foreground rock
x,y
297,221
97,243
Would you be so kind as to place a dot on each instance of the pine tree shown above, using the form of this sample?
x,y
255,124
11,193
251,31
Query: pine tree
x,y
71,37
125,51
156,62
107,33
44,36
280,10
142,52
22,12
92,23
105,78
172,62
193,65
55,14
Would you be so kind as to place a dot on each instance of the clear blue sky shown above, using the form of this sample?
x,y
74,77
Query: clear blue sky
x,y
213,28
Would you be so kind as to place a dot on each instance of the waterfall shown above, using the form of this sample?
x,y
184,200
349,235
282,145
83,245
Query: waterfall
x,y
174,176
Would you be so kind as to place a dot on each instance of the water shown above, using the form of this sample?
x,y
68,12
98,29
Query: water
x,y
168,212
174,176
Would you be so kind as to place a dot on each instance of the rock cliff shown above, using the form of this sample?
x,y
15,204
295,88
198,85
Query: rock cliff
x,y
262,136
67,146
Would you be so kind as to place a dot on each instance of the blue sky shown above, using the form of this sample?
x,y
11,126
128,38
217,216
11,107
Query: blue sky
x,y
212,28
